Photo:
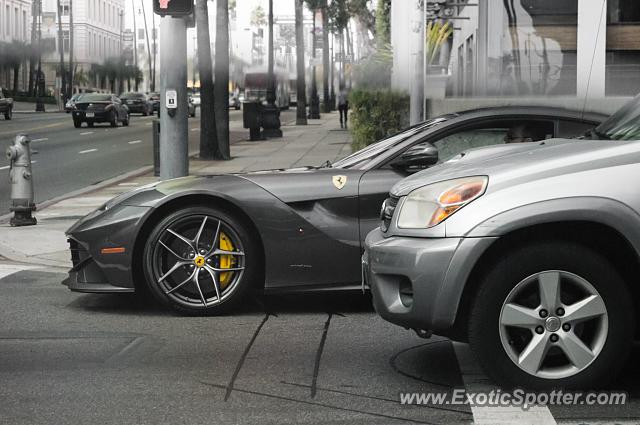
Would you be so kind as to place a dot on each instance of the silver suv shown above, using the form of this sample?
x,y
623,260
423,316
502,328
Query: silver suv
x,y
530,252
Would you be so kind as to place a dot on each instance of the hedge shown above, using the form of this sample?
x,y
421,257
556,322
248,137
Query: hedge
x,y
376,114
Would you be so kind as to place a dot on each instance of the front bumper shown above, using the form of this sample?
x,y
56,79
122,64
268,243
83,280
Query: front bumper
x,y
418,282
137,108
96,271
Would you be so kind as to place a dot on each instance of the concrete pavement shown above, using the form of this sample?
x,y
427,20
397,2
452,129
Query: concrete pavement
x,y
45,244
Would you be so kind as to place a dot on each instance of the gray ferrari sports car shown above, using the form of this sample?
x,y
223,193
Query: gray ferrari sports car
x,y
199,244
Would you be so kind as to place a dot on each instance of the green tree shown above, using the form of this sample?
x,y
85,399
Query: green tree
x,y
383,22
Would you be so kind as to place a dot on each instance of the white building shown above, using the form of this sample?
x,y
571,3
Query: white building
x,y
567,53
143,41
97,36
15,26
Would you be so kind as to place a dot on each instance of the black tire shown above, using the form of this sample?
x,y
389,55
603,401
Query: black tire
x,y
77,123
240,284
125,122
515,267
8,114
113,119
145,112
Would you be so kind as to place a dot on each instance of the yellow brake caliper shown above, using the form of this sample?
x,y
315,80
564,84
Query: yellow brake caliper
x,y
226,261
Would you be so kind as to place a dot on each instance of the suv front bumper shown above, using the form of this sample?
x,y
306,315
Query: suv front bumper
x,y
418,282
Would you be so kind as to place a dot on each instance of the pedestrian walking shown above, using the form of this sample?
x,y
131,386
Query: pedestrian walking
x,y
343,107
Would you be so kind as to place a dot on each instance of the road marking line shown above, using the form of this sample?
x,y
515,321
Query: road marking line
x,y
475,381
135,142
195,129
128,184
44,139
149,123
6,167
86,133
87,151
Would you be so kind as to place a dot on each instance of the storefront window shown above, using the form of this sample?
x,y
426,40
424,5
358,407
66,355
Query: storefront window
x,y
623,48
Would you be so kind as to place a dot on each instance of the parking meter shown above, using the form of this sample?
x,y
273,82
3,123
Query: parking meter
x,y
171,102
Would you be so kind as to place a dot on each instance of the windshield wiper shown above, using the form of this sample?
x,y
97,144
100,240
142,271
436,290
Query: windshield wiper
x,y
327,164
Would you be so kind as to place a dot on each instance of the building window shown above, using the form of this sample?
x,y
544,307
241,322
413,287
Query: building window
x,y
24,25
7,16
141,34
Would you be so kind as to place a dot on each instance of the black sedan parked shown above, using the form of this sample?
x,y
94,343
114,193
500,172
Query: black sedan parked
x,y
137,103
96,107
199,244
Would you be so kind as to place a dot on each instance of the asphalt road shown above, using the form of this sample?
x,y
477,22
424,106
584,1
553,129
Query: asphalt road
x,y
69,159
107,359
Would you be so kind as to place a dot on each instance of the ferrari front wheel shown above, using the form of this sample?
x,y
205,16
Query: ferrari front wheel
x,y
200,261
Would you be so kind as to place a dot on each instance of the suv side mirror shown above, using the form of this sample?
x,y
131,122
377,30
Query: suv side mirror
x,y
417,158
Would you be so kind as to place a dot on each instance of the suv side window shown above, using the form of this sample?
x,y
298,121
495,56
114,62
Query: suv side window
x,y
505,131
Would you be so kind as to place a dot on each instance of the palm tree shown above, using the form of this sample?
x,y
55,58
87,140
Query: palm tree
x,y
314,109
146,31
301,88
208,131
325,55
63,74
221,87
71,66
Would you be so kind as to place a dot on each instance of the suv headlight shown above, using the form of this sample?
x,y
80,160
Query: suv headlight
x,y
430,205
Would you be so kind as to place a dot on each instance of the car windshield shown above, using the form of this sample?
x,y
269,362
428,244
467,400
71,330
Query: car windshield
x,y
95,97
362,157
132,95
624,124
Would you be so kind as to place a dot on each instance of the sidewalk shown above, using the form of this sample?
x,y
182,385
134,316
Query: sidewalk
x,y
45,244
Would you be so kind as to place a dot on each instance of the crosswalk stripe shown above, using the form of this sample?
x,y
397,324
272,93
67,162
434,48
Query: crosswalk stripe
x,y
9,269
475,381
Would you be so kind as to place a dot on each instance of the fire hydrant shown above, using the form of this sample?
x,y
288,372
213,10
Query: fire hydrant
x,y
21,180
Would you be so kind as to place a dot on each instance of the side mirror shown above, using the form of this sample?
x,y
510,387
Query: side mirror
x,y
417,158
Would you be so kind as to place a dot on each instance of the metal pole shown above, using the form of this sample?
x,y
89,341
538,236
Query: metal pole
x,y
424,60
174,135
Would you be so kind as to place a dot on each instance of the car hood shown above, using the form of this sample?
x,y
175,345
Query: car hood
x,y
506,164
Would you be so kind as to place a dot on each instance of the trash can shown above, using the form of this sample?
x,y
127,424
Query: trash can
x,y
252,119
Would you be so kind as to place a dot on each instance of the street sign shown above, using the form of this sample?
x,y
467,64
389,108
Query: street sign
x,y
173,7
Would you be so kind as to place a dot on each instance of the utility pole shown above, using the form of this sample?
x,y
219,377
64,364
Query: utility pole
x,y
70,85
174,135
154,37
325,57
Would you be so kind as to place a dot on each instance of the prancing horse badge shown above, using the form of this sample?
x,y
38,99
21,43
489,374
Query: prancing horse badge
x,y
339,181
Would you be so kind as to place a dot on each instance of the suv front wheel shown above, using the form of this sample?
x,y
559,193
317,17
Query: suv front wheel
x,y
552,315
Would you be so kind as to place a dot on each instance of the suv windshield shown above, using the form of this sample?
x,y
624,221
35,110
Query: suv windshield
x,y
624,124
362,157
132,95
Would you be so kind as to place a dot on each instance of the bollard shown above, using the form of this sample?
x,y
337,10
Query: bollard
x,y
21,179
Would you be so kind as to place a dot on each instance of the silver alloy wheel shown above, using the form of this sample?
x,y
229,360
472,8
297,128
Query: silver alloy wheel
x,y
190,265
553,324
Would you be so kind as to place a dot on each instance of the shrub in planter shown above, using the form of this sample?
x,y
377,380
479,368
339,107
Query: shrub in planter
x,y
376,114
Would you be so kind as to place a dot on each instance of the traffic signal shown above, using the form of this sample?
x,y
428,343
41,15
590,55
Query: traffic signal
x,y
173,7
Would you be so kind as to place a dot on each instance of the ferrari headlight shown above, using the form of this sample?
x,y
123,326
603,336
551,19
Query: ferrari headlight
x,y
432,204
